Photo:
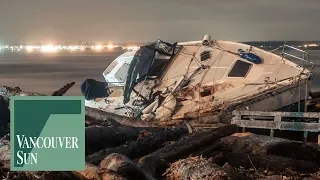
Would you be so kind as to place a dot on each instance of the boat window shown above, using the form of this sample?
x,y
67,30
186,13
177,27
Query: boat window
x,y
205,55
122,72
240,69
110,67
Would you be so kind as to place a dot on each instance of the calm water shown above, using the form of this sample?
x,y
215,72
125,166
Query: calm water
x,y
45,73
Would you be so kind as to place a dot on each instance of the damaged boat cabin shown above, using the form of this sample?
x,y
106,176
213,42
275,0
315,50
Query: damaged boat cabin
x,y
206,80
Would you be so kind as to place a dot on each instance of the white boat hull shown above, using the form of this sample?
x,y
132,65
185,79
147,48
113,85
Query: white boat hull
x,y
210,78
278,99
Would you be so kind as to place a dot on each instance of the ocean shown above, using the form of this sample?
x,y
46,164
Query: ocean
x,y
47,72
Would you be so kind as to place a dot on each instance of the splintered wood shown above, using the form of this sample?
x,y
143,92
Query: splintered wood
x,y
195,168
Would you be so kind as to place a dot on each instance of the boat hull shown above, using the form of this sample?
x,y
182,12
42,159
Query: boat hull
x,y
285,98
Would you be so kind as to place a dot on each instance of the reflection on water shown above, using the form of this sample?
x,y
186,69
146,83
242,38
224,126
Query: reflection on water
x,y
45,73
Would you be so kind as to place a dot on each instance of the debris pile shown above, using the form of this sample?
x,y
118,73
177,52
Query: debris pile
x,y
122,148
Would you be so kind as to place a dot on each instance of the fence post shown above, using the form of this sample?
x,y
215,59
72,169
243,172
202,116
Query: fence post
x,y
271,132
305,136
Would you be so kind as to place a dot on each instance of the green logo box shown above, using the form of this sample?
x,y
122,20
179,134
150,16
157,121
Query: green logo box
x,y
47,133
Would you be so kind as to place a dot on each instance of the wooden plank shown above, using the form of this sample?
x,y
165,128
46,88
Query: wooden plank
x,y
293,126
255,124
258,117
305,136
300,126
283,114
236,117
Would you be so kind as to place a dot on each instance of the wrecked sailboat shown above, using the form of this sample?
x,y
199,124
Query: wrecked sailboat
x,y
204,81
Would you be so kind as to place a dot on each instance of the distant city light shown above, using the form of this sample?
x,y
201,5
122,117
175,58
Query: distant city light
x,y
51,48
311,45
98,47
31,48
110,46
132,48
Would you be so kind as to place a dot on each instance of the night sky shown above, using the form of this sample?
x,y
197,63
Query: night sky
x,y
31,21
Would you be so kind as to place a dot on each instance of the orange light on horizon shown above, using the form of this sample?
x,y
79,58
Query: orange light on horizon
x,y
98,47
49,48
110,46
29,48
132,48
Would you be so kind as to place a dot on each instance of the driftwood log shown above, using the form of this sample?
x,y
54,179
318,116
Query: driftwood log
x,y
185,146
17,175
315,95
145,144
276,164
209,150
122,166
6,92
98,138
96,114
93,122
5,154
265,145
91,172
63,90
94,172
152,167
55,175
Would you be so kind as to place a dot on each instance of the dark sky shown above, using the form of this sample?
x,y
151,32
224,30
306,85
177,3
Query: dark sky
x,y
144,20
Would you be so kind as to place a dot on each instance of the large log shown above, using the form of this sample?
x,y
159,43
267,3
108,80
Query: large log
x,y
5,155
208,150
107,122
276,164
16,91
111,175
195,168
4,117
91,172
94,172
98,138
185,146
265,145
61,175
142,146
152,167
121,165
18,175
99,115
6,92
63,90
315,95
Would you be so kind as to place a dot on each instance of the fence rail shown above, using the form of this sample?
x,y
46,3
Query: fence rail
x,y
292,121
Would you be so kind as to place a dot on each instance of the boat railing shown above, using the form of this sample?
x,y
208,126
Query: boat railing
x,y
304,58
